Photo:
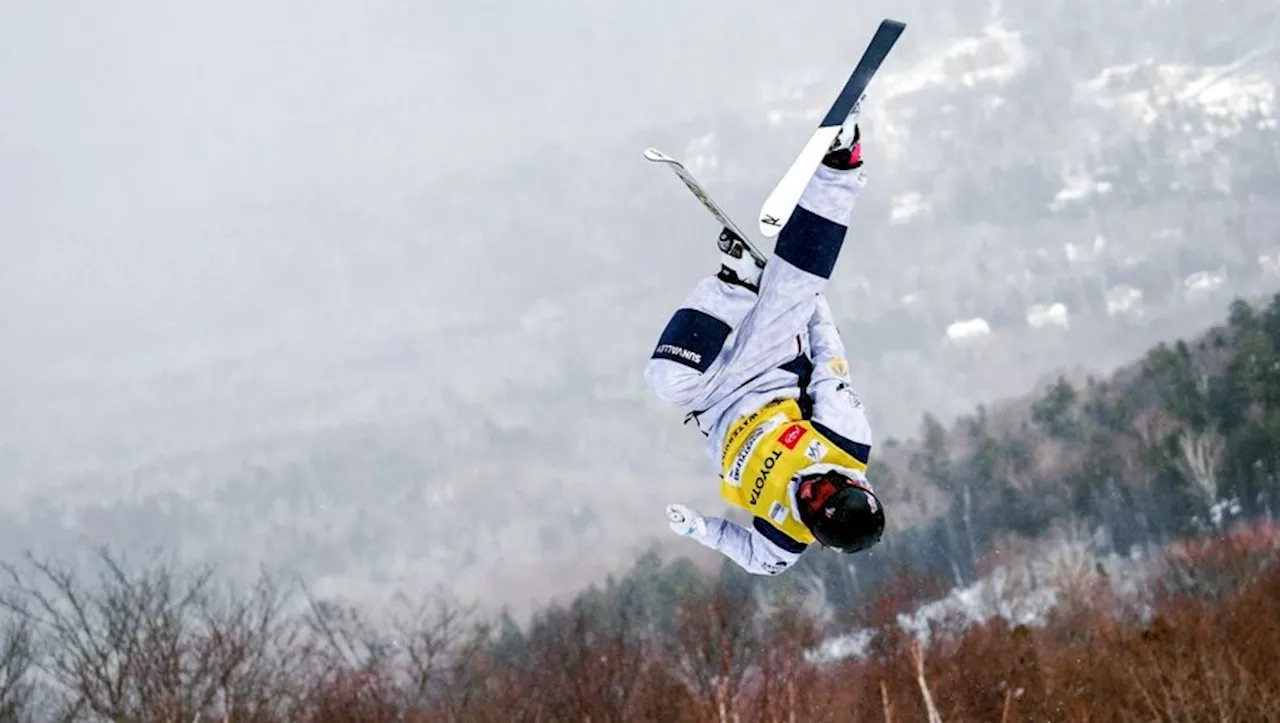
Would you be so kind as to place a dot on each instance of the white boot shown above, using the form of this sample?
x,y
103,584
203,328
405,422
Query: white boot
x,y
845,152
737,265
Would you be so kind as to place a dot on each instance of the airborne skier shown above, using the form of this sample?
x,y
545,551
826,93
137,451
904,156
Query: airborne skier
x,y
784,426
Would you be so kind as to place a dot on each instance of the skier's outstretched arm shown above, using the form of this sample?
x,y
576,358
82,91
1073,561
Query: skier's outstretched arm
x,y
751,548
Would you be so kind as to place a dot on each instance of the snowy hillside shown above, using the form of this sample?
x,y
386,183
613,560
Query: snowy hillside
x,y
1057,184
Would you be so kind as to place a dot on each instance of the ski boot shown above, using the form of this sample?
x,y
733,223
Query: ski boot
x,y
737,265
845,152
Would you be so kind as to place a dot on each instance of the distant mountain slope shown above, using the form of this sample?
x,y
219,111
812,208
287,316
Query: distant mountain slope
x,y
463,405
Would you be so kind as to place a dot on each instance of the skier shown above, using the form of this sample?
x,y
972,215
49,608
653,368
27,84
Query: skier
x,y
785,429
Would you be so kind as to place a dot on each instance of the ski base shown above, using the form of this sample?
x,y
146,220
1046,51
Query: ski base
x,y
778,207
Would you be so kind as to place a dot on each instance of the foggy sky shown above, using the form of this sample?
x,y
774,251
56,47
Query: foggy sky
x,y
182,183
136,138
237,236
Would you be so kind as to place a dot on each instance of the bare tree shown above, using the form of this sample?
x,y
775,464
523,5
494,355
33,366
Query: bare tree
x,y
250,649
1201,452
481,684
17,660
591,661
1153,426
149,643
91,637
917,657
1136,479
435,637
349,664
714,648
787,678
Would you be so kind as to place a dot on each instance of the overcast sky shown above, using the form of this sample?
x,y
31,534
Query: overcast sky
x,y
178,177
137,136
182,183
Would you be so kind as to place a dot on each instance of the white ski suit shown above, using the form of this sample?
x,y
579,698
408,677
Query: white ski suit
x,y
727,352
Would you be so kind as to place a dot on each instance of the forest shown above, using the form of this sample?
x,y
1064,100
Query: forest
x,y
1120,530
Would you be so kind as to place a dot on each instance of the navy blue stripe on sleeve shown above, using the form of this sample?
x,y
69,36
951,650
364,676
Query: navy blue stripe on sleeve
x,y
810,242
692,338
857,450
778,537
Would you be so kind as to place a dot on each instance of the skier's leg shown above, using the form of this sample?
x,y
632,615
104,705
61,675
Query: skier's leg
x,y
799,269
691,367
693,339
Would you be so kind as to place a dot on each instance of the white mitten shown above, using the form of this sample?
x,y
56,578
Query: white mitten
x,y
686,522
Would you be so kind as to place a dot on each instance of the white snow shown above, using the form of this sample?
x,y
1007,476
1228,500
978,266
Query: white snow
x,y
1124,300
1040,316
1147,91
840,647
1226,91
1077,186
1022,592
995,56
986,61
980,602
962,608
1084,252
1202,283
1270,264
968,329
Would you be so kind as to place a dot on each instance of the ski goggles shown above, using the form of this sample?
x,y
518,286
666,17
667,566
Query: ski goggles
x,y
813,492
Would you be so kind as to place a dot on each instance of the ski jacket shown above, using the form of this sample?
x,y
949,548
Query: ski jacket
x,y
819,425
764,454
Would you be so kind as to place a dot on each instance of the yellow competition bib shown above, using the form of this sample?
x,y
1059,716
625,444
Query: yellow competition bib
x,y
763,451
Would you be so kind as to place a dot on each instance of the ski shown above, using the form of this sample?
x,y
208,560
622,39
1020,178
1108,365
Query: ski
x,y
657,156
782,201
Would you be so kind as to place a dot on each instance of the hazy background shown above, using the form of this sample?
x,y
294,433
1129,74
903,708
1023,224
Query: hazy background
x,y
363,291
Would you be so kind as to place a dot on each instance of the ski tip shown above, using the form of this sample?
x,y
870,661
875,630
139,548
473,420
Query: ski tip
x,y
653,154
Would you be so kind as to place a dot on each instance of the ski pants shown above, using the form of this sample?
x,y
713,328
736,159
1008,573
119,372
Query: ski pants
x,y
726,350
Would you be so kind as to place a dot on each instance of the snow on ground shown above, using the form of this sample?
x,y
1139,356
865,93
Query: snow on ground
x,y
1124,300
995,56
987,60
964,330
1078,186
1270,265
1021,593
1229,95
962,608
1084,253
1040,316
1201,284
